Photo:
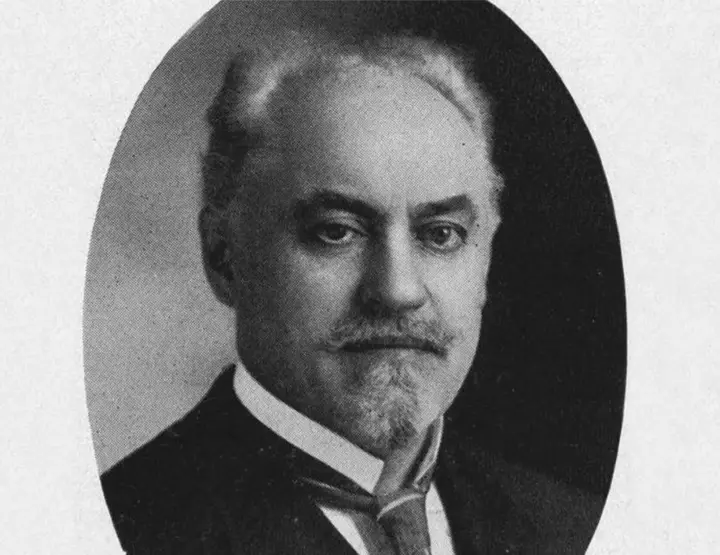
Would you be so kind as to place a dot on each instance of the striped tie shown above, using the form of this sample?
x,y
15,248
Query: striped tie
x,y
403,516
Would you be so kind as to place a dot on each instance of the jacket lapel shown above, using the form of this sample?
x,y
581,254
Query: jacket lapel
x,y
263,509
265,512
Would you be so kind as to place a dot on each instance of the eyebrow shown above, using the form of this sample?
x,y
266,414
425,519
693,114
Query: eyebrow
x,y
451,205
330,200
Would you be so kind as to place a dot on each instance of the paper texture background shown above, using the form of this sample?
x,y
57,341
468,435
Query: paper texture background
x,y
645,78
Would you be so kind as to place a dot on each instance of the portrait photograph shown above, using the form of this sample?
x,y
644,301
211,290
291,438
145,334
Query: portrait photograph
x,y
374,277
352,257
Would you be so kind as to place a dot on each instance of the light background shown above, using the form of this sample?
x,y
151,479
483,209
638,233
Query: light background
x,y
646,78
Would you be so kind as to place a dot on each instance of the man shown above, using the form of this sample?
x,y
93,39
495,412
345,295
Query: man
x,y
349,216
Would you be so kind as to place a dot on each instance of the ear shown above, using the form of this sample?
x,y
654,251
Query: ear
x,y
217,259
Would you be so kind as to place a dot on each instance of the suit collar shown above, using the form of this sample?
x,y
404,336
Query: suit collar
x,y
482,517
319,442
258,485
305,434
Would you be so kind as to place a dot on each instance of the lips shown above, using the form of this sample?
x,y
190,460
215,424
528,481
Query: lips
x,y
389,342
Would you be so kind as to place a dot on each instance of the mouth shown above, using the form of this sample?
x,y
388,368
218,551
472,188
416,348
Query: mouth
x,y
385,343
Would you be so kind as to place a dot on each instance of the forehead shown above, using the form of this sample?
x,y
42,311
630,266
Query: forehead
x,y
389,138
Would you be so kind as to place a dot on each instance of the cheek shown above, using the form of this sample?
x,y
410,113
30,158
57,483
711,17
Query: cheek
x,y
458,290
310,294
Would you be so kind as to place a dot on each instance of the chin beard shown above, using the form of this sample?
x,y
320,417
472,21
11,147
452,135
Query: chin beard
x,y
384,411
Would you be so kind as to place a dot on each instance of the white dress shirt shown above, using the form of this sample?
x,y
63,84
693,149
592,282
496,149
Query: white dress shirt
x,y
360,530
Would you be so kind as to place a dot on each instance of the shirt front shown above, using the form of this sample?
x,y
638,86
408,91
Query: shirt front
x,y
361,531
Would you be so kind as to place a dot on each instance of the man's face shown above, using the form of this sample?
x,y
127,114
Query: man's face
x,y
360,247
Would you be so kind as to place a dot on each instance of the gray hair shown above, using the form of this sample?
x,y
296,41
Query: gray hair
x,y
241,116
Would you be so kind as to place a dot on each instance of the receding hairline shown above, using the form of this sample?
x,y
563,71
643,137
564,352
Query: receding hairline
x,y
314,104
258,83
260,77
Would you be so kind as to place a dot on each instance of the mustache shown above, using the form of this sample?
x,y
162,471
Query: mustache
x,y
360,333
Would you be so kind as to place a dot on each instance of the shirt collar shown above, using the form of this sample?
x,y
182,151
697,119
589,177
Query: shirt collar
x,y
315,439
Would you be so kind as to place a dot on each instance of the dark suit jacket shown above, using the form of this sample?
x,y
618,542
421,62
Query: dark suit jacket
x,y
217,482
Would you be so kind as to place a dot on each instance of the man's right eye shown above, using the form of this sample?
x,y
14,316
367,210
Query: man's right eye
x,y
334,234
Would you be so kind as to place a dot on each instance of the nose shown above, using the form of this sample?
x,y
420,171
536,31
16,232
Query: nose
x,y
393,278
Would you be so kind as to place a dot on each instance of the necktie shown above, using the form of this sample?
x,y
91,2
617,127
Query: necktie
x,y
399,503
403,517
401,514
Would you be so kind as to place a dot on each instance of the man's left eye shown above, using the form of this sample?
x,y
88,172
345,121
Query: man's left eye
x,y
442,237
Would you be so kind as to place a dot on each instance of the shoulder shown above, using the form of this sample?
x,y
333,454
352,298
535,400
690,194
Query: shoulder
x,y
178,489
511,508
563,517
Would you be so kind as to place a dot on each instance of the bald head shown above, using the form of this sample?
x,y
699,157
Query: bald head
x,y
262,92
406,134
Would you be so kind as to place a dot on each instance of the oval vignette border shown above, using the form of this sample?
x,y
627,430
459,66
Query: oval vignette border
x,y
218,323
